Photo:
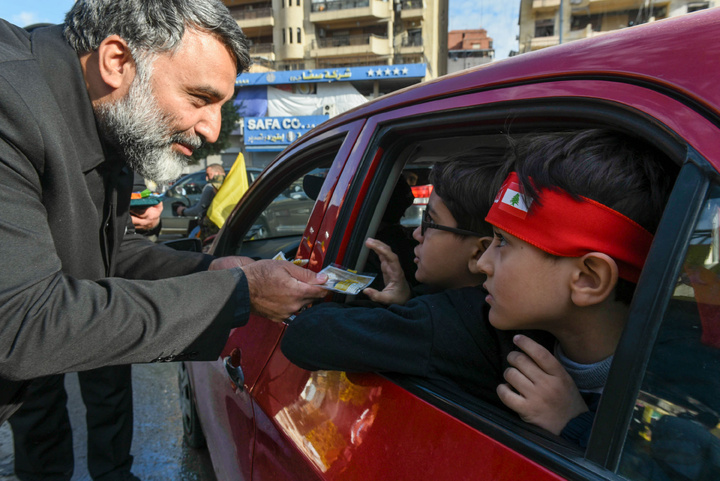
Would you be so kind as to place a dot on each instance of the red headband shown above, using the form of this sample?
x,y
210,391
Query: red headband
x,y
568,227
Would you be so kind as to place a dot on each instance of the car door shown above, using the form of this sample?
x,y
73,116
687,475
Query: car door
x,y
223,388
349,426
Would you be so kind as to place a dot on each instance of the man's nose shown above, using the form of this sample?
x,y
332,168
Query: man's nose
x,y
209,125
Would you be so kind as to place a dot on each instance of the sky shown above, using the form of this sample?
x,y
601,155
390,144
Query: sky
x,y
498,17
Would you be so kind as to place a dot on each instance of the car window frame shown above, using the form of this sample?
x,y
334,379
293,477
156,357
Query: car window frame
x,y
255,200
567,112
655,288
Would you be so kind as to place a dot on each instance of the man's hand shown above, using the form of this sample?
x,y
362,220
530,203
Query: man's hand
x,y
544,393
397,289
278,289
146,219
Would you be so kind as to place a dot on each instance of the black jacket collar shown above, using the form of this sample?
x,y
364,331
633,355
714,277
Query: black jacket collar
x,y
57,60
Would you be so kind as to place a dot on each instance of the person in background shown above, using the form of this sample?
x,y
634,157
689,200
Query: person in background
x,y
215,175
146,209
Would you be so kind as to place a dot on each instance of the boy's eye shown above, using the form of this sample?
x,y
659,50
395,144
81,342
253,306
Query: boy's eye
x,y
500,239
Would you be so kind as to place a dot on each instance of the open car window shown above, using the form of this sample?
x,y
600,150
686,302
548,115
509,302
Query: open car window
x,y
674,431
413,146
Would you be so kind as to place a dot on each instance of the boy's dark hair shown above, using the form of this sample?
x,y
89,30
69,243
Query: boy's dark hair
x,y
467,184
619,171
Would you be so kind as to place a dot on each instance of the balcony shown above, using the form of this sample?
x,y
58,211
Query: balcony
x,y
411,9
350,45
606,6
411,45
343,11
542,42
546,4
254,21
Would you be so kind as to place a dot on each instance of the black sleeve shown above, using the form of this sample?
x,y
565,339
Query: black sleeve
x,y
336,337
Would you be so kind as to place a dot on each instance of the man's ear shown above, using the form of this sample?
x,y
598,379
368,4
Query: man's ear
x,y
116,65
480,247
594,278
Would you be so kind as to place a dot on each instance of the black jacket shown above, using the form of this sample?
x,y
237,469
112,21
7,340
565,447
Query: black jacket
x,y
71,297
444,337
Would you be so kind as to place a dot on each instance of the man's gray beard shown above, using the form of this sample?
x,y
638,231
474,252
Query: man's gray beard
x,y
136,125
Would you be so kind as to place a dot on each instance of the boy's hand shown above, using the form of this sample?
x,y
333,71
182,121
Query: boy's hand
x,y
397,289
544,393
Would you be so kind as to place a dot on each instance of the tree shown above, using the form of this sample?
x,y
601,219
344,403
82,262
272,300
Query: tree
x,y
230,118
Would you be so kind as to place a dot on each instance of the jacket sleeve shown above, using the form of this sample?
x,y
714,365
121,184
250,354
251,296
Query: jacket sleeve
x,y
140,258
53,322
336,337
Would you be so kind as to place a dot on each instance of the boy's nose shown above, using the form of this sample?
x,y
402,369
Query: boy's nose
x,y
484,266
417,234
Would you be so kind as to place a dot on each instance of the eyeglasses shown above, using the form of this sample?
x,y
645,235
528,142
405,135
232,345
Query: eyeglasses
x,y
427,223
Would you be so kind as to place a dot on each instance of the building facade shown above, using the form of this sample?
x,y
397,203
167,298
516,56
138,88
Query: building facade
x,y
319,34
468,48
544,23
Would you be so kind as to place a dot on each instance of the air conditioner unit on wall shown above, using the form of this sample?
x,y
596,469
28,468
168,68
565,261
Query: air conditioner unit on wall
x,y
329,109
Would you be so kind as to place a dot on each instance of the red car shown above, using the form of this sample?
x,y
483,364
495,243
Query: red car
x,y
266,419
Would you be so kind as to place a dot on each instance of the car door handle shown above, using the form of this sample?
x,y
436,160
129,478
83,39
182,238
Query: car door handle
x,y
234,370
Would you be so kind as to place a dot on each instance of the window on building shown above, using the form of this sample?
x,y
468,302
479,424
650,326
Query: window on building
x,y
545,27
299,35
290,34
695,6
284,34
297,3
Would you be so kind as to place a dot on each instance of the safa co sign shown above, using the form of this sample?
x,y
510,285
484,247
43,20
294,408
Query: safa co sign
x,y
278,131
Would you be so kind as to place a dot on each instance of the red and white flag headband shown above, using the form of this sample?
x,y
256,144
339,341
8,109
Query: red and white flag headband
x,y
568,227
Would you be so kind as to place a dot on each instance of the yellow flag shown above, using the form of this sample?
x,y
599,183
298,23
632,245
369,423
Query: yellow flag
x,y
234,186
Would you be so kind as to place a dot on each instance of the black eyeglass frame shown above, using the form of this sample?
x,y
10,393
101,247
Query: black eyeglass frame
x,y
427,223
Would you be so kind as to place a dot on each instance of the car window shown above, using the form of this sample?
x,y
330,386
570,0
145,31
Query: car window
x,y
674,432
288,213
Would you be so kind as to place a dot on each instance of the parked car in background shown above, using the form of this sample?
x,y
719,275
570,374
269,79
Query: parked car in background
x,y
264,418
187,191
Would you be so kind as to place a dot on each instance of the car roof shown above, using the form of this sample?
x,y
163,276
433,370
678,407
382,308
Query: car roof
x,y
677,55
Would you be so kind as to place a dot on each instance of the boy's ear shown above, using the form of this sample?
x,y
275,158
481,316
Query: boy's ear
x,y
480,247
115,63
594,279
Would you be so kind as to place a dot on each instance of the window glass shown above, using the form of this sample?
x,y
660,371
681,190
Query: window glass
x,y
674,434
288,213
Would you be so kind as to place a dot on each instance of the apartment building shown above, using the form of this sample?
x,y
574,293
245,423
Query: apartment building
x,y
544,23
320,34
469,48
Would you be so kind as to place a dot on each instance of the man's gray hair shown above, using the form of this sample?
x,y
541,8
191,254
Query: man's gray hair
x,y
152,26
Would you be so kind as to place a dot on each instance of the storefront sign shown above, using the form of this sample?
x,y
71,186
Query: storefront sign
x,y
377,72
275,133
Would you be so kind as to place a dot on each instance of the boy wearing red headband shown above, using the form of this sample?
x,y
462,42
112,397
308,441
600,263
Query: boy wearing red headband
x,y
441,336
573,225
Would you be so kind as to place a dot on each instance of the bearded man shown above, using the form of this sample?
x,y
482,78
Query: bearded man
x,y
123,85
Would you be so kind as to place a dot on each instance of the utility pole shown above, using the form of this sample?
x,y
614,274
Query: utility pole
x,y
560,23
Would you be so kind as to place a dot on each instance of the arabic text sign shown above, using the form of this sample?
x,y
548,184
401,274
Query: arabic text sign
x,y
279,130
377,72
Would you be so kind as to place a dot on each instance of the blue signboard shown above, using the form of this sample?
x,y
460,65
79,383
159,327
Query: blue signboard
x,y
377,72
276,133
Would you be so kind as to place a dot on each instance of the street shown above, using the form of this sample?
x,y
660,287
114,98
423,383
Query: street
x,y
158,449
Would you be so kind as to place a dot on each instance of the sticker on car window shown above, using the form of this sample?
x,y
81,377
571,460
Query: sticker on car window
x,y
298,262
